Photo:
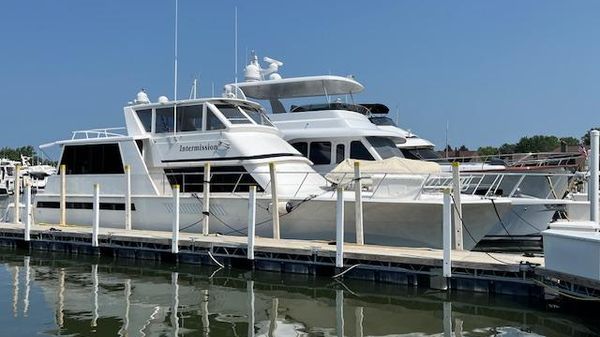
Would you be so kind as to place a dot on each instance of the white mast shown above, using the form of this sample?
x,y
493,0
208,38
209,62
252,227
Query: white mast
x,y
175,71
236,48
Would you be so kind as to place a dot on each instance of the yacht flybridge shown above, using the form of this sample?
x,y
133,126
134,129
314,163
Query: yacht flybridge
x,y
169,142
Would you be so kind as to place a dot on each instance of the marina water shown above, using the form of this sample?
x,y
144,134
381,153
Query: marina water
x,y
43,293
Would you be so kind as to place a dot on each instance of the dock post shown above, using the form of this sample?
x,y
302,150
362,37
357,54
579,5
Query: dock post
x,y
447,235
251,221
358,205
457,209
175,238
206,199
339,228
17,195
594,176
63,195
96,216
274,201
127,197
27,233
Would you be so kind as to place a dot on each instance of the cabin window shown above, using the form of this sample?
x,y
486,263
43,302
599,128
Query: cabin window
x,y
145,117
213,122
257,116
164,120
233,114
339,153
320,153
385,147
92,159
189,118
359,151
302,147
228,179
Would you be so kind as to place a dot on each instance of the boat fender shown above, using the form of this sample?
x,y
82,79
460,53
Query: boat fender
x,y
283,207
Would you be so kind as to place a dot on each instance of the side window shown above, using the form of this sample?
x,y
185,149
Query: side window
x,y
164,120
189,118
339,153
213,122
302,147
320,152
359,151
92,159
145,117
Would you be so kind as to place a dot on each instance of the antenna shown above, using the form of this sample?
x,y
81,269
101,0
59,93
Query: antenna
x,y
236,47
175,70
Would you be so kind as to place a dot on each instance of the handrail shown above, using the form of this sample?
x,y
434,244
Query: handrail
x,y
97,133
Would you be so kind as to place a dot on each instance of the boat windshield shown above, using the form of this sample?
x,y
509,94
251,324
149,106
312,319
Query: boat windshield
x,y
421,154
257,116
385,121
385,147
233,114
331,106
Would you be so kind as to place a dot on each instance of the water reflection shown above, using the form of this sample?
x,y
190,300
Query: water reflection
x,y
104,298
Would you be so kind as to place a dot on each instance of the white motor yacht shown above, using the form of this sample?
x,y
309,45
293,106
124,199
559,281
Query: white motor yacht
x,y
332,128
168,142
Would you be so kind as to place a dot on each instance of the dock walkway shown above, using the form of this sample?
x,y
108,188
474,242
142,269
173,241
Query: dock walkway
x,y
472,271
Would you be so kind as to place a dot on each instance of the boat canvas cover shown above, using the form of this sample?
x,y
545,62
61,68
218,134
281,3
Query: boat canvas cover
x,y
394,177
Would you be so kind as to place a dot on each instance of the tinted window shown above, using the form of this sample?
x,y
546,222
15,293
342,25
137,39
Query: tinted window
x,y
320,152
145,117
189,118
164,120
257,116
420,154
382,121
359,151
92,159
233,114
302,148
223,179
213,122
385,147
339,153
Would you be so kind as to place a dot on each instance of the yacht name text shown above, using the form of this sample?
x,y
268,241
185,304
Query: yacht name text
x,y
199,147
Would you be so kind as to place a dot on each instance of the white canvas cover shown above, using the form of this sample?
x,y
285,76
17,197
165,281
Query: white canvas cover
x,y
396,178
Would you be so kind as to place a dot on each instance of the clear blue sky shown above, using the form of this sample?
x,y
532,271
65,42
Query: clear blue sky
x,y
497,70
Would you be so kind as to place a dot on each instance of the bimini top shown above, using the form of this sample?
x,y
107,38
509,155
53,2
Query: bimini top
x,y
295,87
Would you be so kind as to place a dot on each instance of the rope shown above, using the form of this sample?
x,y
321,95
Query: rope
x,y
345,271
566,294
215,260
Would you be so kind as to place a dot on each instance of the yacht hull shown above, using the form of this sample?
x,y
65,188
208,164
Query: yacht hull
x,y
414,223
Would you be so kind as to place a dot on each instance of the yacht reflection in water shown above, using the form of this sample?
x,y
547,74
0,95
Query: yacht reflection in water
x,y
146,299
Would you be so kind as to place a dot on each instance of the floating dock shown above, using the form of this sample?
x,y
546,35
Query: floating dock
x,y
493,273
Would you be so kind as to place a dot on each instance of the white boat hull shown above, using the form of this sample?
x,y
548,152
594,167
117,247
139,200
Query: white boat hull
x,y
399,223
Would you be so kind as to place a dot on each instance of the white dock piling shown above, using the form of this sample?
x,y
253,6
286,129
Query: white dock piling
x,y
96,215
17,195
251,221
127,197
274,201
27,232
457,209
339,228
175,238
358,205
206,199
594,176
447,235
63,195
